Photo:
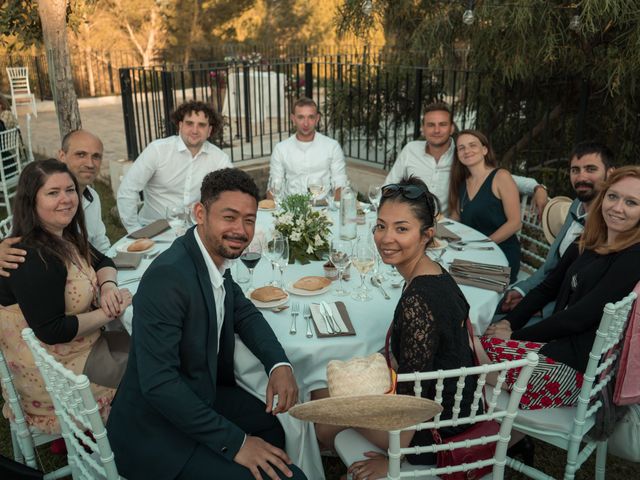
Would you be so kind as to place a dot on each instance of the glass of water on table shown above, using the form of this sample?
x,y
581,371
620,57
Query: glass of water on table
x,y
179,218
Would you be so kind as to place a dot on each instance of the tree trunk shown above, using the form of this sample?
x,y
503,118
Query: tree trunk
x,y
53,16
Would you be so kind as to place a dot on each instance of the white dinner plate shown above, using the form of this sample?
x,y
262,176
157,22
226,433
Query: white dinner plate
x,y
441,245
275,303
124,246
306,293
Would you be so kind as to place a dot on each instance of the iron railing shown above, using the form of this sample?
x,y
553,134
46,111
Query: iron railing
x,y
373,109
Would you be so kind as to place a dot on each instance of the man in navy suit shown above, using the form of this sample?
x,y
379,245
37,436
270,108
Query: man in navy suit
x,y
178,413
589,165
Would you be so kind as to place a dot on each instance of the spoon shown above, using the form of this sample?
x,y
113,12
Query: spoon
x,y
376,282
468,242
470,247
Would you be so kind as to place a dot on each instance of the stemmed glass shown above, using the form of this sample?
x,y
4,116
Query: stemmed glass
x,y
179,217
331,197
363,259
276,187
340,256
375,193
274,244
316,188
251,256
283,261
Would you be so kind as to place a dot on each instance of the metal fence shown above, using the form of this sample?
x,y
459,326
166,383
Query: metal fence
x,y
373,109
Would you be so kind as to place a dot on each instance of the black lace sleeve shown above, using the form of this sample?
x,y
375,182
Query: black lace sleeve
x,y
417,338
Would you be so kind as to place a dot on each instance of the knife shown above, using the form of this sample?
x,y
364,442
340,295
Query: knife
x,y
329,312
471,267
327,323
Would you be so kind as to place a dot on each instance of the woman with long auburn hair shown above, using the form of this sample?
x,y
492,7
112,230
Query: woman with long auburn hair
x,y
484,196
601,267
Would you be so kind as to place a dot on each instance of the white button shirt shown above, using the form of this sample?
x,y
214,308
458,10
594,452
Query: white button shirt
x,y
414,160
168,175
297,163
96,230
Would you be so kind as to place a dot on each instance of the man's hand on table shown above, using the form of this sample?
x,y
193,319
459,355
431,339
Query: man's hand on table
x,y
10,257
501,329
257,453
511,299
282,383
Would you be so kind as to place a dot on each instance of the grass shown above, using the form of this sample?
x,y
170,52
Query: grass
x,y
552,459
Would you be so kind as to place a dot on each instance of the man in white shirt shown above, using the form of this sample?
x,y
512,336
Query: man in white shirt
x,y
82,152
170,170
590,164
308,156
431,159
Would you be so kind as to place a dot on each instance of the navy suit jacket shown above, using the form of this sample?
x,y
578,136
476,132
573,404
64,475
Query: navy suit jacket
x,y
164,405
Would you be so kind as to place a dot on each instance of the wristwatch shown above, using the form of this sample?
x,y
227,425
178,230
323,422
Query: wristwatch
x,y
540,185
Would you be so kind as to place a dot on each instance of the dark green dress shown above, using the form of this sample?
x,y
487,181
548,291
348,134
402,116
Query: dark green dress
x,y
485,214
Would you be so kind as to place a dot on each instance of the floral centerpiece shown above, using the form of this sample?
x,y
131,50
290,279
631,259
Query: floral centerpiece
x,y
307,229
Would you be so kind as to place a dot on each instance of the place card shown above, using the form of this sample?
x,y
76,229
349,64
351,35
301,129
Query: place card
x,y
340,315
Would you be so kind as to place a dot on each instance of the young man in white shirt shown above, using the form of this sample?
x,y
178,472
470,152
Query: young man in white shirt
x,y
308,156
431,159
170,170
82,152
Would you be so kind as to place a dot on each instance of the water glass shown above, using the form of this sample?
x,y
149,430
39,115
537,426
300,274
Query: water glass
x,y
274,245
375,193
179,218
340,256
283,260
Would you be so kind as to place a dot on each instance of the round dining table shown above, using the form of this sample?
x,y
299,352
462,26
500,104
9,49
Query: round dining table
x,y
309,356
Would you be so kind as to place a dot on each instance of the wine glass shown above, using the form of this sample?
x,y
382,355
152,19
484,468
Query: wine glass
x,y
276,187
340,256
251,256
179,217
316,188
375,193
363,259
274,244
283,260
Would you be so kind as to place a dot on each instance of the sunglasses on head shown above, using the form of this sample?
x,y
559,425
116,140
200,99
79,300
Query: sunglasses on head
x,y
410,192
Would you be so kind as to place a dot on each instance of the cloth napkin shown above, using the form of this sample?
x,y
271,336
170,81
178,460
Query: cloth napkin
x,y
339,314
151,230
480,275
127,260
446,234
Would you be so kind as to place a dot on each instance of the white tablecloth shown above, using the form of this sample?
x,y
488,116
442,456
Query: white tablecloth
x,y
310,356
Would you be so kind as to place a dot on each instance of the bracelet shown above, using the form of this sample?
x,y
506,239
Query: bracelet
x,y
108,281
540,185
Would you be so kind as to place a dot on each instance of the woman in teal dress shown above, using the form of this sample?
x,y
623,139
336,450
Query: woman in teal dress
x,y
485,197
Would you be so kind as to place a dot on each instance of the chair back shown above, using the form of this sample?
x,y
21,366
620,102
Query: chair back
x,y
521,369
23,445
77,412
5,227
20,88
533,246
603,360
11,167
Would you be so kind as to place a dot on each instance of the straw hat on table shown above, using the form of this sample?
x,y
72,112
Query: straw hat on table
x,y
362,394
553,216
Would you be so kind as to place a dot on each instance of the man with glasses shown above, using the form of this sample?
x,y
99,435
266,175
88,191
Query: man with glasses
x,y
431,159
589,166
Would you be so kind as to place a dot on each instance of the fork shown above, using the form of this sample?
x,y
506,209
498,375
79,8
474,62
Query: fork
x,y
295,310
307,317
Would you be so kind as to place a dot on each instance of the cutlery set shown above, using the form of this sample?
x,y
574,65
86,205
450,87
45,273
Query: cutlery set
x,y
331,324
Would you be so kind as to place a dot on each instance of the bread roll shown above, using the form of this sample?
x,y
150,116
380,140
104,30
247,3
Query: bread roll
x,y
312,283
267,204
268,294
140,245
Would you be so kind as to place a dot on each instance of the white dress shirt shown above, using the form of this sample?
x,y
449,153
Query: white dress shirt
x,y
414,160
297,163
96,230
575,229
168,175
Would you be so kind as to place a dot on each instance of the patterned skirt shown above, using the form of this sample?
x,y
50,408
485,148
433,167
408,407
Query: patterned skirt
x,y
552,384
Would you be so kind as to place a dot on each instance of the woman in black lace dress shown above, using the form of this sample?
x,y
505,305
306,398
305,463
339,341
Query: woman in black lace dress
x,y
428,331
